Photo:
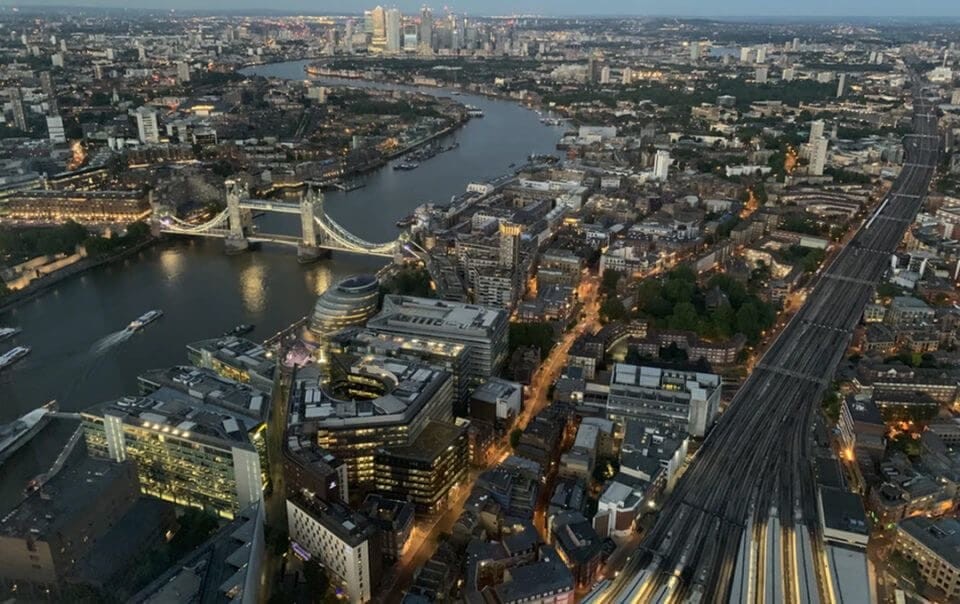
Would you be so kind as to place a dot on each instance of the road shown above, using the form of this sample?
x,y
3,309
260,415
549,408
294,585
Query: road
x,y
426,535
552,366
754,469
275,511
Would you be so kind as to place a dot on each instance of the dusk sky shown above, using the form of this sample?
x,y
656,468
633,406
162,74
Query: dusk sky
x,y
808,8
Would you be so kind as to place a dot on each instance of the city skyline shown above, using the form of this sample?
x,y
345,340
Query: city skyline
x,y
816,9
410,305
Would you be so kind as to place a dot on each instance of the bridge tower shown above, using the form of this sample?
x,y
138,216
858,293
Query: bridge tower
x,y
236,240
310,203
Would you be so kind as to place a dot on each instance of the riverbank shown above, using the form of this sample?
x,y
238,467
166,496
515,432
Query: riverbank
x,y
42,285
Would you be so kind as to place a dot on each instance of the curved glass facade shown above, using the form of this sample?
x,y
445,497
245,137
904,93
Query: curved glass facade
x,y
350,302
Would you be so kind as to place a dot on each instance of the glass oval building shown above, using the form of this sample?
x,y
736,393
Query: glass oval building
x,y
350,302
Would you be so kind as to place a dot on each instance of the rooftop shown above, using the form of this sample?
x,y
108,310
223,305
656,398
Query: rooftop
x,y
237,352
367,390
206,385
180,415
940,536
76,488
437,316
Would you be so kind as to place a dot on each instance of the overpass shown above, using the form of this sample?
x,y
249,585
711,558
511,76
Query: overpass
x,y
319,233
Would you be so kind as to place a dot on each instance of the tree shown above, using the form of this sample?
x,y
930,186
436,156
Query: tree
x,y
515,435
317,581
748,322
609,281
612,309
685,317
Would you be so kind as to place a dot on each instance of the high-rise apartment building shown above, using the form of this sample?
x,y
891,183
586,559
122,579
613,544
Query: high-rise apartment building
x,y
148,126
818,156
661,166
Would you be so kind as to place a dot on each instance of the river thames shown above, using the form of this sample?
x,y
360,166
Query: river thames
x,y
203,292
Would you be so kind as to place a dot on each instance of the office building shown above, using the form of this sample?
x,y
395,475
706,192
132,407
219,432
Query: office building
x,y
761,74
934,545
497,401
55,131
362,404
148,126
350,302
187,451
311,471
347,544
452,357
841,85
393,30
424,471
761,54
483,330
661,166
685,400
426,31
695,51
206,386
394,519
235,358
44,537
376,25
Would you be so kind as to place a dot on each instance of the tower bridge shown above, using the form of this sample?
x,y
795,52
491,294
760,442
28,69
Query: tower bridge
x,y
319,233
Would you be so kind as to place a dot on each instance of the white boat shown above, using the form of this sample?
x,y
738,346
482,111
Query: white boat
x,y
8,332
13,355
145,319
19,432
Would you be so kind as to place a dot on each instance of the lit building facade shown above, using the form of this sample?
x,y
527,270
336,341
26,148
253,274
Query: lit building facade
x,y
187,452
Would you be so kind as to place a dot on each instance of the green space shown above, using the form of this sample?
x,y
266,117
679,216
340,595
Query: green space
x,y
677,301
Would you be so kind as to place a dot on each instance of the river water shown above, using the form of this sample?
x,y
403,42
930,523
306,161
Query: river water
x,y
78,357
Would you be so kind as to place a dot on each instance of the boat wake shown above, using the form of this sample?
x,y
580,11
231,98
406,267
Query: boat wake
x,y
111,341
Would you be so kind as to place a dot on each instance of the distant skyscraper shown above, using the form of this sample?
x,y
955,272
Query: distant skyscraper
x,y
426,31
695,51
661,166
789,73
394,30
57,60
841,85
796,44
378,25
626,76
16,102
761,73
761,54
818,156
348,37
605,74
745,53
148,128
955,99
